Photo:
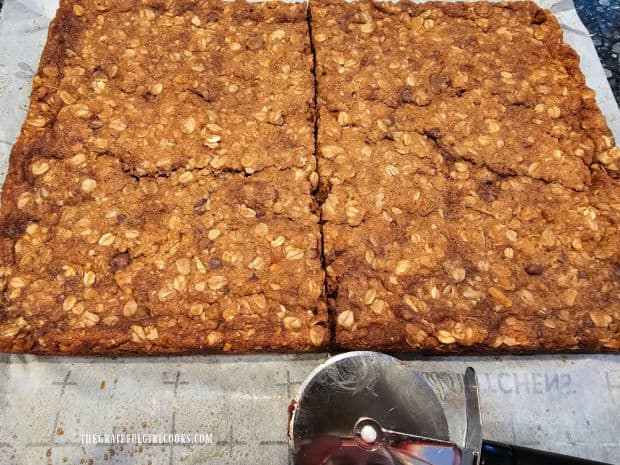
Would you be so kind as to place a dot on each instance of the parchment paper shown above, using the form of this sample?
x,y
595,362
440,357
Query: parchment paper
x,y
568,404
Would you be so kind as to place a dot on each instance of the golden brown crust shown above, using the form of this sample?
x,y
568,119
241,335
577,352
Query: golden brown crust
x,y
467,181
159,196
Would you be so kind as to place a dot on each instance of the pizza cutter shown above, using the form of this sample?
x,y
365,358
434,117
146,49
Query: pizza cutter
x,y
367,408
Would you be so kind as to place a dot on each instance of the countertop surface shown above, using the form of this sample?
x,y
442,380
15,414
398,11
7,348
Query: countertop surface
x,y
602,18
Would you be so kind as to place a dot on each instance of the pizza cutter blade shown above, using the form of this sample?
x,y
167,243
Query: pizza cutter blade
x,y
367,408
353,385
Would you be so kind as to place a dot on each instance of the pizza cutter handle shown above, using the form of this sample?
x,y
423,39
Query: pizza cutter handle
x,y
497,453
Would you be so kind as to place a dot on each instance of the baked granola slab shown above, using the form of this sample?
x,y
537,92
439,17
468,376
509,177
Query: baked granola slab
x,y
461,211
163,196
159,197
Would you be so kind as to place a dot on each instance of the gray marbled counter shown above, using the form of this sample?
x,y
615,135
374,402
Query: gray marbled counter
x,y
602,18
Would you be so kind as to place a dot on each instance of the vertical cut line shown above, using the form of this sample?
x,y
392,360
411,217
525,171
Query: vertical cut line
x,y
316,194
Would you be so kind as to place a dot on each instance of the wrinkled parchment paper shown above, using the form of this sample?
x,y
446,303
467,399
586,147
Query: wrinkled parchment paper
x,y
237,405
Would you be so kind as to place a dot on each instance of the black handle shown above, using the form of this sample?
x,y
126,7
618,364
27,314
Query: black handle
x,y
496,453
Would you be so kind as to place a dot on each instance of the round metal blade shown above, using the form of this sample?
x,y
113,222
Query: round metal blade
x,y
365,384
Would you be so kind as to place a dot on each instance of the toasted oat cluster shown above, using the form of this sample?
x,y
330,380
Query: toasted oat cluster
x,y
159,197
468,181
437,177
